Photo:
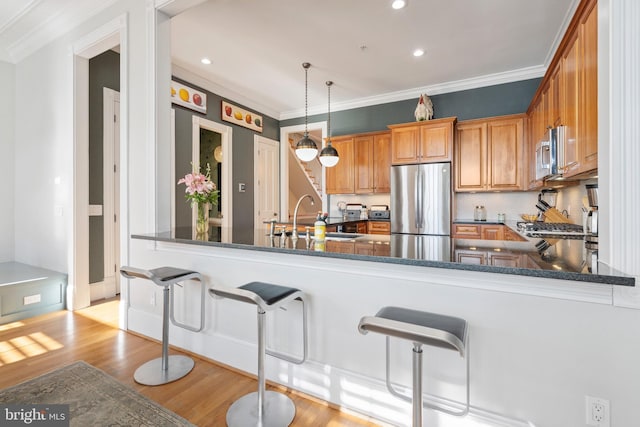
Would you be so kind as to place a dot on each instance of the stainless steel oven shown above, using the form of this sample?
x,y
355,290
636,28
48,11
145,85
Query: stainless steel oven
x,y
550,155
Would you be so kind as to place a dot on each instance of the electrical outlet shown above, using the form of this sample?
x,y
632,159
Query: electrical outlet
x,y
598,412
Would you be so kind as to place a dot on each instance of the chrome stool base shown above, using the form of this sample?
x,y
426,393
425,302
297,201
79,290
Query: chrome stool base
x,y
279,411
151,373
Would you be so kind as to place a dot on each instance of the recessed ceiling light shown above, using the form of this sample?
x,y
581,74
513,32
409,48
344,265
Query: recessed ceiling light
x,y
418,52
206,61
398,4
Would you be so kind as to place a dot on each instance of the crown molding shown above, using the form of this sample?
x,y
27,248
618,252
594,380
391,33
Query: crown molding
x,y
454,86
55,26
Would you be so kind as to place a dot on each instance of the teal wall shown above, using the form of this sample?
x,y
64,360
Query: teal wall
x,y
104,71
242,148
497,100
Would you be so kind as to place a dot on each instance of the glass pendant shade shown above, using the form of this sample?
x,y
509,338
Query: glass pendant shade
x,y
329,156
306,149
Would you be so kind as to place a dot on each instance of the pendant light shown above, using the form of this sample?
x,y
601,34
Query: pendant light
x,y
329,155
306,149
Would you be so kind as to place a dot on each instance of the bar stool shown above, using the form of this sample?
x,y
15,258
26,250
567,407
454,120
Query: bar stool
x,y
167,368
264,408
422,328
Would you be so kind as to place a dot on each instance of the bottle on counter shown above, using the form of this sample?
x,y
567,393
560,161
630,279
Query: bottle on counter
x,y
320,228
479,213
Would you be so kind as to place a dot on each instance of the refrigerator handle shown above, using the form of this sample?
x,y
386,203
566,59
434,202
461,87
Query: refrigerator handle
x,y
421,189
416,198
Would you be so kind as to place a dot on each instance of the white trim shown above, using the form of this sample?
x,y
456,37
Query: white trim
x,y
284,165
172,167
226,192
53,27
454,86
79,295
621,169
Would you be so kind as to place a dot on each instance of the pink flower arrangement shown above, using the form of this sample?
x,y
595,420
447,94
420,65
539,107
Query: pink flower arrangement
x,y
200,188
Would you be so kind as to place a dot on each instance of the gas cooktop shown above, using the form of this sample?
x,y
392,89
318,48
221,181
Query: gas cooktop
x,y
557,230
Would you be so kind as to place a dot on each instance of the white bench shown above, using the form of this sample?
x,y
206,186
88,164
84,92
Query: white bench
x,y
27,291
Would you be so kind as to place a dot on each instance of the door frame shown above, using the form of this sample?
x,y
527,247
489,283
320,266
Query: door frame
x,y
112,34
284,164
226,193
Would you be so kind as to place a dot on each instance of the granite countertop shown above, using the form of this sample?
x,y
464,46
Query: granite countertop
x,y
566,260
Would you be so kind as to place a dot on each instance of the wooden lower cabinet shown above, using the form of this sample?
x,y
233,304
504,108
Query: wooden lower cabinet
x,y
490,257
467,231
504,259
378,227
493,232
485,232
464,256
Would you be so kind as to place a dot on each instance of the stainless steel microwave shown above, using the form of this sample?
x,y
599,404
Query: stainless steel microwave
x,y
550,155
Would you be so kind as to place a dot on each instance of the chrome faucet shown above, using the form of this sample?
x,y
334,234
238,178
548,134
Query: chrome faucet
x,y
294,232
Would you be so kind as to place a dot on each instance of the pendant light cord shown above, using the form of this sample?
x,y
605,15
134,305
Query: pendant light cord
x,y
306,66
329,83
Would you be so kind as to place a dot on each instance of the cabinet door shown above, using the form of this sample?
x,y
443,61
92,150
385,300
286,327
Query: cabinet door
x,y
404,145
570,107
436,143
470,257
470,157
363,165
555,97
501,259
466,231
492,232
589,98
379,227
382,163
504,154
362,227
531,182
362,248
382,249
339,247
340,178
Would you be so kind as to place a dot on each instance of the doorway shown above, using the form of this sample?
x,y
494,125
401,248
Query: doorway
x,y
207,137
109,36
266,181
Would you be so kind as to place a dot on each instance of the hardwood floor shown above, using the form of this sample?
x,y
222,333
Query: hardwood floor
x,y
34,346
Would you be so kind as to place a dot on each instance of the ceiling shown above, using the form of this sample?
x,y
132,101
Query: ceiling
x,y
364,46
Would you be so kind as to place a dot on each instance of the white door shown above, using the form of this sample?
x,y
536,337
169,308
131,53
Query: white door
x,y
266,180
111,171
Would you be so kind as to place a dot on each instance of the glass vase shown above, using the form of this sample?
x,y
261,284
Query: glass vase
x,y
202,223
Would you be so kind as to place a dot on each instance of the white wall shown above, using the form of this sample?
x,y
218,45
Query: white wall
x,y
7,143
512,204
44,158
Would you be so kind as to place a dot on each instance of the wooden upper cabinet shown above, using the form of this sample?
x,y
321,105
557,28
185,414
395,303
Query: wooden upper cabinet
x,y
340,178
505,142
489,154
363,159
364,165
589,100
382,163
568,96
430,141
470,156
372,166
570,109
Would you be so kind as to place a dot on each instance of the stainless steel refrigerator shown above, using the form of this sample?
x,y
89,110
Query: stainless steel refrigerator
x,y
421,211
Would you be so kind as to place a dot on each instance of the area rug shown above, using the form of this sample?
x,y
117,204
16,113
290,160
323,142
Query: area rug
x,y
94,398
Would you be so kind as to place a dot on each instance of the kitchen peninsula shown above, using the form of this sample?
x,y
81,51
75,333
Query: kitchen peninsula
x,y
566,261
